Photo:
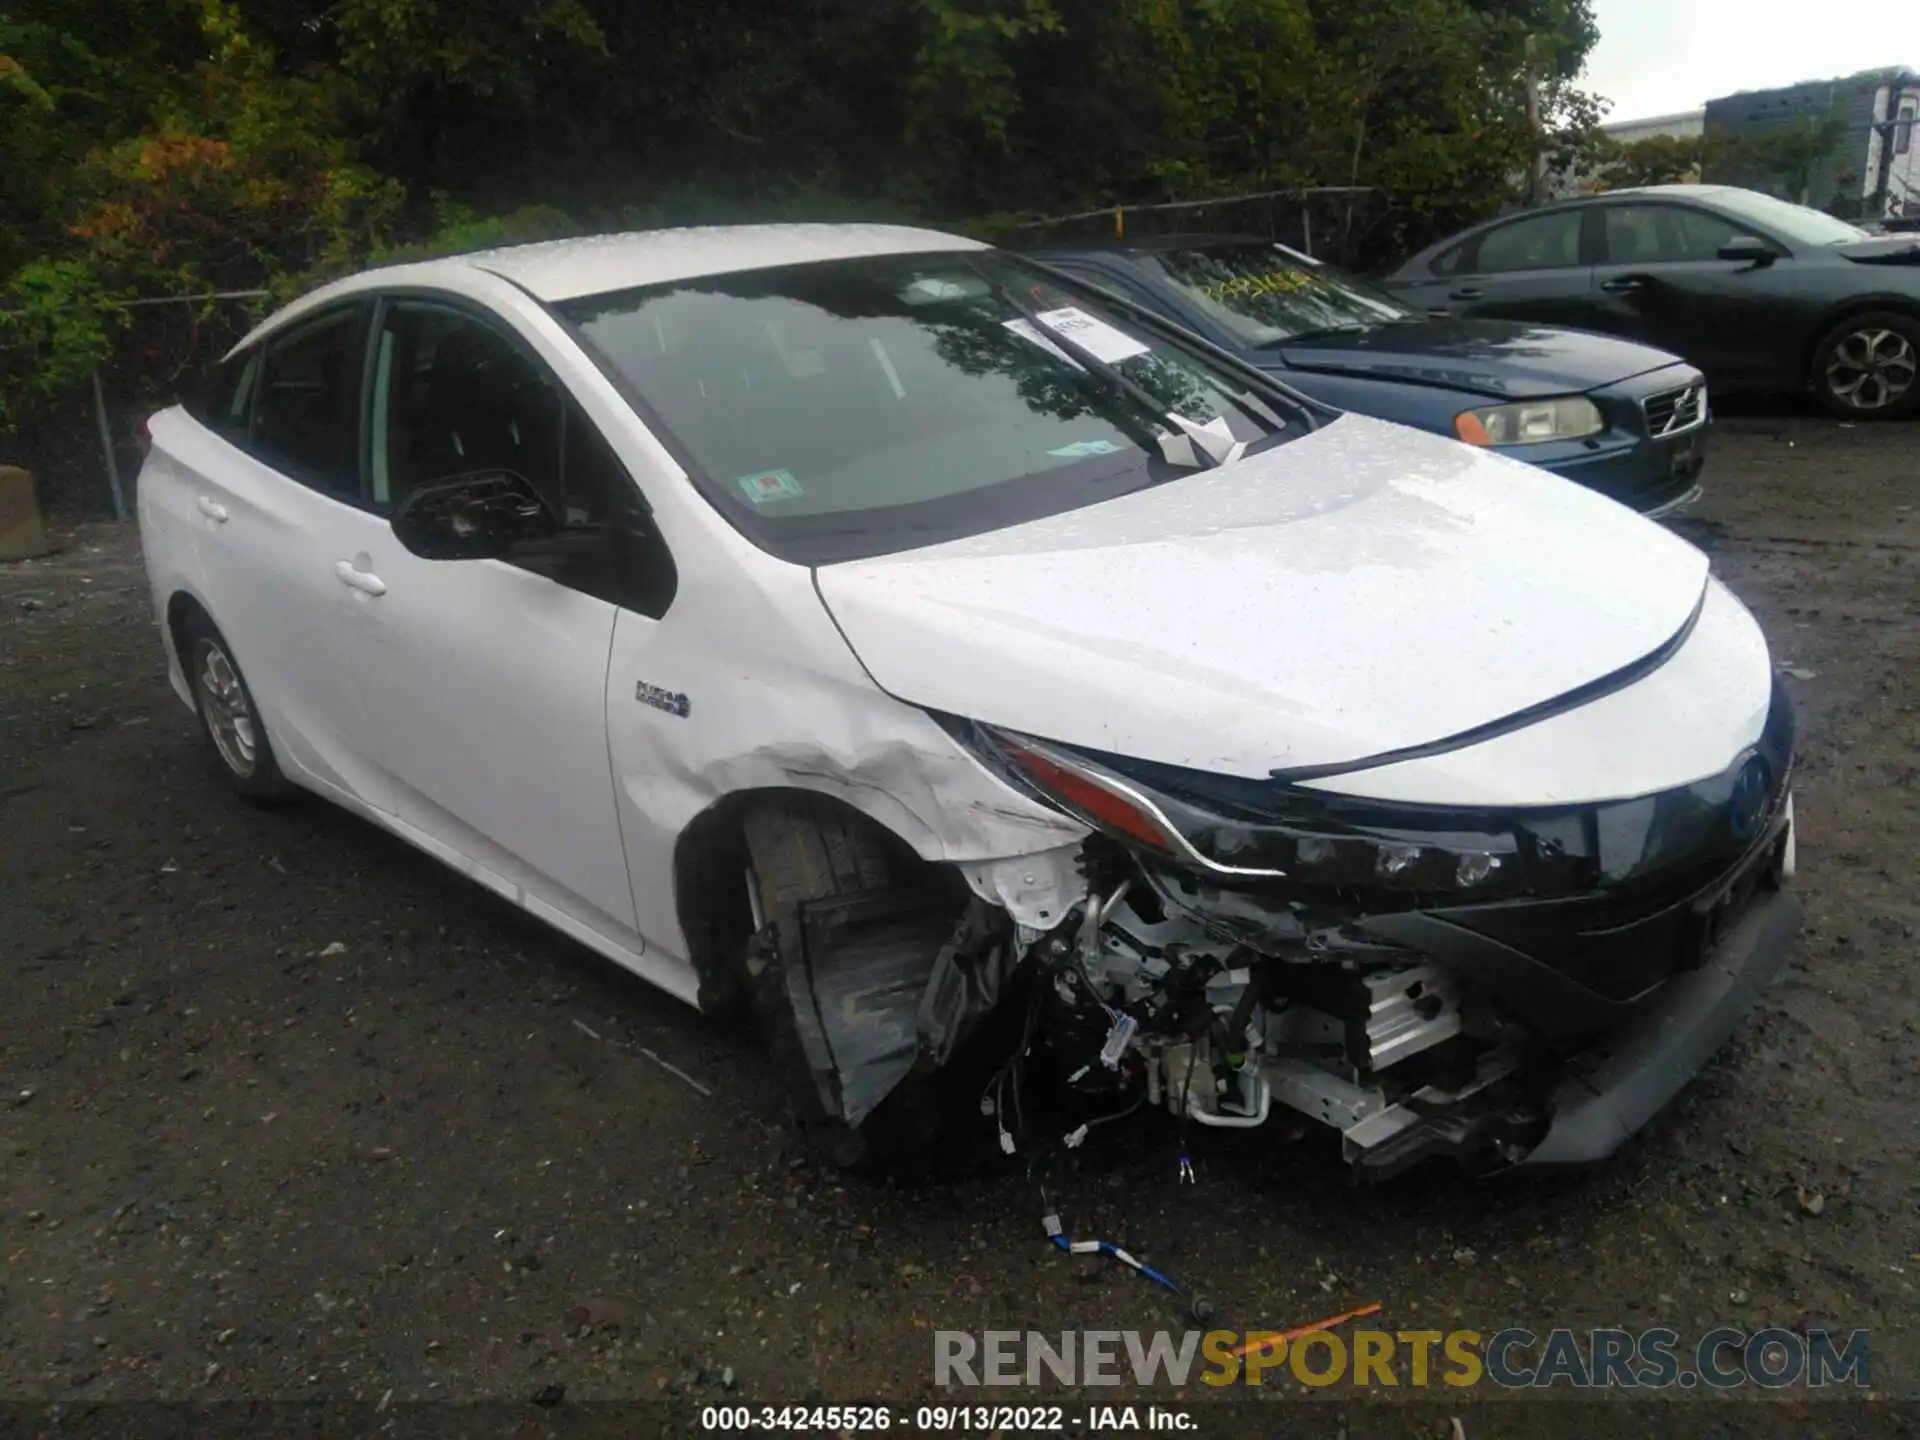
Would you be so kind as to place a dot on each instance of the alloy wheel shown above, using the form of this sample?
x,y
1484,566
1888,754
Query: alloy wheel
x,y
224,704
1872,368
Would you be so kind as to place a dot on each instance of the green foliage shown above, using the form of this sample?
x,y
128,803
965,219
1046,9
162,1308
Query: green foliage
x,y
177,146
57,323
1657,160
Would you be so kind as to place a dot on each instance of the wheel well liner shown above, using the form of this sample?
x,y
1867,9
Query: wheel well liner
x,y
182,606
709,885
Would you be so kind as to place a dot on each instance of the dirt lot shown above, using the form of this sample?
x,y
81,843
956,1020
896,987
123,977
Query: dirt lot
x,y
289,1112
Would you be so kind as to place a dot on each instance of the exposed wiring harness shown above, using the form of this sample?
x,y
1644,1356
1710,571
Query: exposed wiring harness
x,y
1197,1305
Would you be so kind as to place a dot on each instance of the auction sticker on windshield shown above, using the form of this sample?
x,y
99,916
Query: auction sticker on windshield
x,y
1090,333
771,485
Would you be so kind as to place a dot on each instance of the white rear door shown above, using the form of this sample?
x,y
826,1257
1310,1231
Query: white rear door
x,y
274,503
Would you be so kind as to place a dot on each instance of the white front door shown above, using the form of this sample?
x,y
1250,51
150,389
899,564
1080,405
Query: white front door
x,y
487,679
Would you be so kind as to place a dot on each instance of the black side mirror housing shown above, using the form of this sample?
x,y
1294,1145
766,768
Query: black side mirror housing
x,y
473,517
1748,250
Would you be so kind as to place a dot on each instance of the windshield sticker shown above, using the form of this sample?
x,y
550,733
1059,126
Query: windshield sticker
x,y
769,486
1033,337
928,289
1081,449
1093,334
1274,282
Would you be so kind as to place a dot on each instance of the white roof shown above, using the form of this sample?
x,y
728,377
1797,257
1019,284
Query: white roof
x,y
567,269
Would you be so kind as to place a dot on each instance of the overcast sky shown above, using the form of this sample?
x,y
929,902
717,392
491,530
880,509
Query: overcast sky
x,y
1658,56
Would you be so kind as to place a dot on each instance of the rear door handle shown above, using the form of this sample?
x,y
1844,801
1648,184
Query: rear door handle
x,y
363,581
1466,292
1621,285
213,511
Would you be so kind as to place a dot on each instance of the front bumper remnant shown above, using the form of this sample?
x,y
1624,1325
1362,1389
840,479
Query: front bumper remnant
x,y
1609,1094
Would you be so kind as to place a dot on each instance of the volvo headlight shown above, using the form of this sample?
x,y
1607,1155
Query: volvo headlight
x,y
1530,422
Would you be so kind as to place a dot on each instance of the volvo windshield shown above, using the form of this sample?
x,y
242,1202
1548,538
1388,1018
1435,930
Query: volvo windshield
x,y
1264,294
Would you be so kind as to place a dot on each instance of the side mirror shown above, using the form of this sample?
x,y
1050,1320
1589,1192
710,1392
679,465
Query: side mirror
x,y
1748,250
474,517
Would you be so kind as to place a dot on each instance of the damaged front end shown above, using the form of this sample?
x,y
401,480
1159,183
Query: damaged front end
x,y
1524,986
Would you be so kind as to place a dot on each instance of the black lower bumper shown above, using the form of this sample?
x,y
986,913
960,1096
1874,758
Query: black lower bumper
x,y
1613,1090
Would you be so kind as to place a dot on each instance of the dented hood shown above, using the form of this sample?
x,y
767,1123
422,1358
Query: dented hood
x,y
1360,590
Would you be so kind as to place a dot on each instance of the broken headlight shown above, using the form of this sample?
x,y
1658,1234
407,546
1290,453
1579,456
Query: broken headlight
x,y
1257,831
1242,831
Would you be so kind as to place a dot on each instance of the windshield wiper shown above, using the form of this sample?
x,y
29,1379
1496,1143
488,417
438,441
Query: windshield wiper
x,y
1093,365
1348,327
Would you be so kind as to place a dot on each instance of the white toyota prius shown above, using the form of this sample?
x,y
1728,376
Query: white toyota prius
x,y
879,631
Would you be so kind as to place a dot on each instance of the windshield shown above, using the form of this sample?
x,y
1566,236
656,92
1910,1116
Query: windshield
x,y
1796,224
1263,294
860,407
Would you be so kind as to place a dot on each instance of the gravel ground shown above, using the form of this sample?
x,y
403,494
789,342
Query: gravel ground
x,y
288,1112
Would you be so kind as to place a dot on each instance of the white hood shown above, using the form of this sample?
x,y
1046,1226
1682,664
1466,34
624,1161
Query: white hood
x,y
1362,589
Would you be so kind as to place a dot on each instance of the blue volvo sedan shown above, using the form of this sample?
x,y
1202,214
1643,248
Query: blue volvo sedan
x,y
1619,417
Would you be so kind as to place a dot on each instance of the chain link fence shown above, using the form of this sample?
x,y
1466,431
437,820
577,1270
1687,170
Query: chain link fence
x,y
84,453
1330,222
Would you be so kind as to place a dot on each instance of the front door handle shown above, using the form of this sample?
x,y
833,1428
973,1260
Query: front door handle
x,y
1466,292
213,510
1621,285
364,581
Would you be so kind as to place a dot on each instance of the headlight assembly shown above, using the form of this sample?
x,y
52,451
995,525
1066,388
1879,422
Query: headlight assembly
x,y
1307,842
1256,833
1530,422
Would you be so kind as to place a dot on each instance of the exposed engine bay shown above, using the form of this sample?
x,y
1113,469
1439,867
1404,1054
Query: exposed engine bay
x,y
1495,988
1143,1001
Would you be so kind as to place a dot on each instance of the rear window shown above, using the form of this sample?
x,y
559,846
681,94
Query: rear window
x,y
866,406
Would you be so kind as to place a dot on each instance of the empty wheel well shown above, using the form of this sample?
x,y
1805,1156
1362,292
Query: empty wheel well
x,y
710,864
182,607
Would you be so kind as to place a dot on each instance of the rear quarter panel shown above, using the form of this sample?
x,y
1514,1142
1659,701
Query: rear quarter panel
x,y
164,509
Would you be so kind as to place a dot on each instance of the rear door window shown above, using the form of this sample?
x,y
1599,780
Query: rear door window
x,y
223,401
306,402
1538,242
1452,261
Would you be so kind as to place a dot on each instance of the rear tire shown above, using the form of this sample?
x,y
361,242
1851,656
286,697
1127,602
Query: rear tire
x,y
228,717
1868,366
802,850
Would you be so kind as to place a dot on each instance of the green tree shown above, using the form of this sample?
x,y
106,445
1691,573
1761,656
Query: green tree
x,y
172,145
1656,160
